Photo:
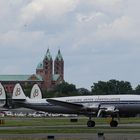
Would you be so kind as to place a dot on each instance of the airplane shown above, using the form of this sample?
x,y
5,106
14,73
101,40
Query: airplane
x,y
90,106
2,97
36,92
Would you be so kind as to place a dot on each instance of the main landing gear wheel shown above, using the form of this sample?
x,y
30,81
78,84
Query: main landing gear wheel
x,y
113,123
90,123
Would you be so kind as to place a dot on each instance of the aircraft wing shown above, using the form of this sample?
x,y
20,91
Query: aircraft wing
x,y
80,107
65,104
100,109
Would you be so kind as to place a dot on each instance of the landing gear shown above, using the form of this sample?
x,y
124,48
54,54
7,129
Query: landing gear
x,y
113,123
90,123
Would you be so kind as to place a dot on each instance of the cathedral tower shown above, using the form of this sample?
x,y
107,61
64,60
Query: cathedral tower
x,y
59,65
48,69
45,69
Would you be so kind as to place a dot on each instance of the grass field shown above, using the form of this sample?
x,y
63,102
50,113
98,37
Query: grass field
x,y
63,125
51,121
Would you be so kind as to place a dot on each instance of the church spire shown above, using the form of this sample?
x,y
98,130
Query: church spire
x,y
59,56
48,55
59,65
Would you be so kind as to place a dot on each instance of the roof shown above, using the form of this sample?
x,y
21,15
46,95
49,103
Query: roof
x,y
40,65
32,77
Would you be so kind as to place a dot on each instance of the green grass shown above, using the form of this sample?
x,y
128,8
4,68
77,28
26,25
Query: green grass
x,y
61,121
63,125
41,121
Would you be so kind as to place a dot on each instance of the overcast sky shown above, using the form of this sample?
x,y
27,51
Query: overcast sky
x,y
99,39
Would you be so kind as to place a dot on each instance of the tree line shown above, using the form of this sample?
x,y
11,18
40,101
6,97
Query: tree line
x,y
100,88
114,87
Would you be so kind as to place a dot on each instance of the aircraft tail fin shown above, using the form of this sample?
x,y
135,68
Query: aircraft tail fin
x,y
18,93
36,92
2,96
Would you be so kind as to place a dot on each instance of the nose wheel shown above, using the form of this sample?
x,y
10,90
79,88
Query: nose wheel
x,y
90,123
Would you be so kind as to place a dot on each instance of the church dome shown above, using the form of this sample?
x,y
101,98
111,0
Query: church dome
x,y
40,65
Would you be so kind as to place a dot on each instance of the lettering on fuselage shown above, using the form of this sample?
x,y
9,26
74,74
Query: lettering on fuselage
x,y
74,100
98,98
106,99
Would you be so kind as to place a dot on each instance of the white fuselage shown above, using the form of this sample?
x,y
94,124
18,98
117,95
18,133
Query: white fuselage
x,y
125,103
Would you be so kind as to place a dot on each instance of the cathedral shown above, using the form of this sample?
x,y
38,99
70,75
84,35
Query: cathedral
x,y
49,73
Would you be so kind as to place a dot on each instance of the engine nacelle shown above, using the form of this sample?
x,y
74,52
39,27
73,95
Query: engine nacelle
x,y
107,109
93,108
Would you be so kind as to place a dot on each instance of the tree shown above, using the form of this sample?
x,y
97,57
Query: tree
x,y
27,89
100,88
65,88
111,87
61,90
83,91
119,87
137,90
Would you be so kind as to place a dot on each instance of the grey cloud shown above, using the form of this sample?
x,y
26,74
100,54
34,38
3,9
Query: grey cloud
x,y
100,37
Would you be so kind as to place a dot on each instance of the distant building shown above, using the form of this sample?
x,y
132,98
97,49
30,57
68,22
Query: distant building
x,y
45,70
45,76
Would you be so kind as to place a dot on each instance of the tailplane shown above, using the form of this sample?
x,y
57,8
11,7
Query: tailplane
x,y
18,93
36,92
2,96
